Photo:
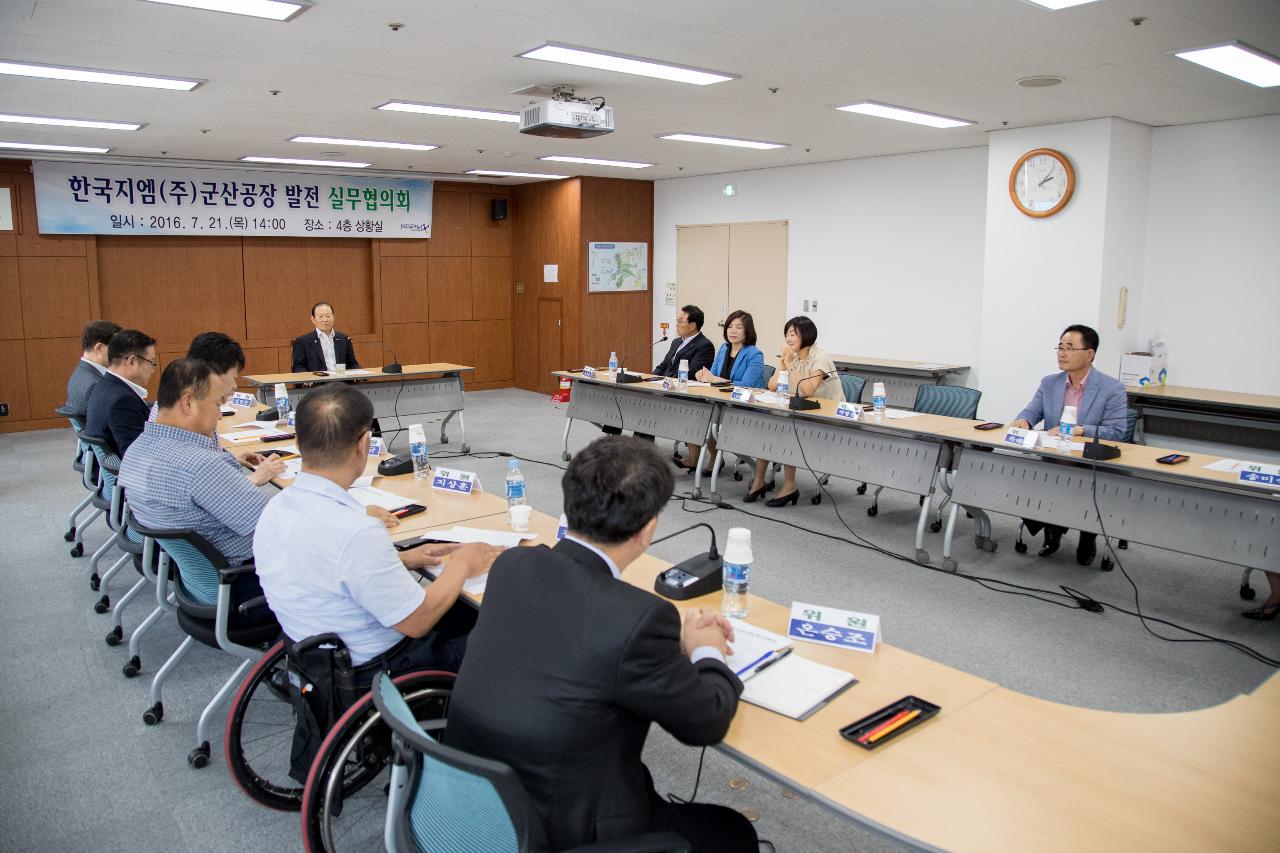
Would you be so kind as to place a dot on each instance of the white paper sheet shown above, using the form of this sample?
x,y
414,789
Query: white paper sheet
x,y
370,496
465,535
898,414
247,437
752,646
475,585
362,482
292,467
1232,466
256,426
359,371
228,410
795,687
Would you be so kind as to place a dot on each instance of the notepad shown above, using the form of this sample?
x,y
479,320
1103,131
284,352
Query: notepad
x,y
796,687
753,646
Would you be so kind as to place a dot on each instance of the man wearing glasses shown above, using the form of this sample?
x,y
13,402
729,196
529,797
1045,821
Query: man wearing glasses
x,y
116,408
1101,406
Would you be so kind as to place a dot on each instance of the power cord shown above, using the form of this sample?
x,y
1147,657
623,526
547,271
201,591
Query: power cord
x,y
697,780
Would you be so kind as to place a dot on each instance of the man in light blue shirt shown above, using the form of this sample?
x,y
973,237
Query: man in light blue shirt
x,y
326,566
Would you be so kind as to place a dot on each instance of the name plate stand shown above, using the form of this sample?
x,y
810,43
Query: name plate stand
x,y
242,400
828,626
457,482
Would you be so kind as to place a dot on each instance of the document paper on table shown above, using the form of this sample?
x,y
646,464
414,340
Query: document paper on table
x,y
370,496
501,538
796,687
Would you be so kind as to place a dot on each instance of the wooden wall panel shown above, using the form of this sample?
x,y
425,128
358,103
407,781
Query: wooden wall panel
x,y
284,357
55,296
405,295
411,342
450,288
401,248
49,365
262,360
489,238
173,288
493,350
453,342
10,300
285,276
450,224
13,382
622,211
547,220
491,288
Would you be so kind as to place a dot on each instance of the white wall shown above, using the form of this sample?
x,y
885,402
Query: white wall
x,y
890,247
1212,280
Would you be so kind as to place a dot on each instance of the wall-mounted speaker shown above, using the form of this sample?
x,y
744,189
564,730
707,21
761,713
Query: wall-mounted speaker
x,y
497,209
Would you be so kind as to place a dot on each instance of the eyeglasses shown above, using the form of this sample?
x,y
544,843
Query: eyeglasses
x,y
147,360
1061,348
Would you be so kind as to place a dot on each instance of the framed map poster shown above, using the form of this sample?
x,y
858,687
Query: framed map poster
x,y
617,267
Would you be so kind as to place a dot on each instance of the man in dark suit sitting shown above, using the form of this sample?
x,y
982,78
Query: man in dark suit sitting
x,y
94,341
324,348
116,408
568,665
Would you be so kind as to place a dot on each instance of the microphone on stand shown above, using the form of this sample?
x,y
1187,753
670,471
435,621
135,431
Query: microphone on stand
x,y
1099,452
394,366
804,404
696,576
623,377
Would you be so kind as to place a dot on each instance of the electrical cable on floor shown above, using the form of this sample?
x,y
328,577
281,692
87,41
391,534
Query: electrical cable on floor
x,y
697,780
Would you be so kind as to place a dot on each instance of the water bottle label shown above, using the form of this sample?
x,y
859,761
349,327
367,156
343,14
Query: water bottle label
x,y
682,375
515,491
878,402
458,482
293,419
736,573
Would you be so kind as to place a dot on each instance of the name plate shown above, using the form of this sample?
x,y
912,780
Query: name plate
x,y
1260,475
852,411
242,400
375,442
1024,438
293,418
458,482
828,626
742,395
588,372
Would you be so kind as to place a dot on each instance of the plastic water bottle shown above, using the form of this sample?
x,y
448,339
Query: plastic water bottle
x,y
784,387
563,528
515,483
1066,424
737,572
420,452
682,375
282,401
877,401
613,363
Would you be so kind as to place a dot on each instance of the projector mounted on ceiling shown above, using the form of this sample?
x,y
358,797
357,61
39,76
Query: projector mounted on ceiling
x,y
566,116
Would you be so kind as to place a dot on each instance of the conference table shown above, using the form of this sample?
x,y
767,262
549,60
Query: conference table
x,y
998,770
901,378
398,398
1223,417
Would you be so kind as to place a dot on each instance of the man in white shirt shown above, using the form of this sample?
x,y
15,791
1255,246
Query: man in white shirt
x,y
326,566
325,348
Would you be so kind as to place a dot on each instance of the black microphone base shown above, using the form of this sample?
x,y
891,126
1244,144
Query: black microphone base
x,y
1096,450
694,577
393,367
625,378
803,404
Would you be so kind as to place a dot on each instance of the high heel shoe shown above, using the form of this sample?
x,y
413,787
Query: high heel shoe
x,y
1265,613
792,498
1052,540
752,497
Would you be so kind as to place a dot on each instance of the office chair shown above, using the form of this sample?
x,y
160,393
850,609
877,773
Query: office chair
x,y
74,532
110,497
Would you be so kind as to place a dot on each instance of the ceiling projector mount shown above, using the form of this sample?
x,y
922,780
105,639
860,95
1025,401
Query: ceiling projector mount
x,y
565,115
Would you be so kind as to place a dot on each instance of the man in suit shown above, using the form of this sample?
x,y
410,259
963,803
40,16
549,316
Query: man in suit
x,y
1101,410
89,370
324,348
116,408
568,665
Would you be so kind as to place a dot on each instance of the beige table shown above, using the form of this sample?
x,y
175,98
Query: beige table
x,y
901,378
1221,417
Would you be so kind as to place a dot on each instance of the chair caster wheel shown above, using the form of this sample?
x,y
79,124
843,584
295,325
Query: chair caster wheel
x,y
1020,547
1248,593
716,499
737,476
94,582
989,545
816,499
78,551
131,670
565,456
466,448
153,715
444,439
117,633
922,500
862,489
922,556
873,511
935,526
102,605
70,535
199,757
1106,565
949,564
1123,544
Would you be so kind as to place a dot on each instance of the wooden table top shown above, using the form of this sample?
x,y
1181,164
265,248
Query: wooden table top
x,y
1204,395
410,370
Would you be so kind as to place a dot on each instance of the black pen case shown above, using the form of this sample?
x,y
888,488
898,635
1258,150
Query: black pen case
x,y
858,728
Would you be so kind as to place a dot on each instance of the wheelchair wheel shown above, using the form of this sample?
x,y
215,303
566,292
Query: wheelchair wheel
x,y
259,734
344,806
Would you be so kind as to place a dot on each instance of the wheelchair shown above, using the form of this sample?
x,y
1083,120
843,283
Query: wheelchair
x,y
343,793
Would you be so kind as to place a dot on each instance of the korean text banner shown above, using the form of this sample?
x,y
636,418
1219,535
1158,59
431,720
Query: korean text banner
x,y
89,198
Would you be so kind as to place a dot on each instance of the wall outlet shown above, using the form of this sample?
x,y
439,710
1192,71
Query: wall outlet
x,y
4,410
814,304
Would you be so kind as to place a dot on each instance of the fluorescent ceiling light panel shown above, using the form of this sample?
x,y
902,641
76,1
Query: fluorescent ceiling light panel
x,y
498,174
1055,5
365,143
65,149
276,10
292,162
591,58
68,122
721,140
1236,60
592,161
89,75
872,108
454,112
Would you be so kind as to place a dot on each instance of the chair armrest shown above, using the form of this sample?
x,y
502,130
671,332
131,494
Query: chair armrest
x,y
649,842
252,604
228,574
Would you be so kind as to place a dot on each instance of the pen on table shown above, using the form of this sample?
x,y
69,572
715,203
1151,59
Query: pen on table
x,y
892,727
752,665
771,661
882,725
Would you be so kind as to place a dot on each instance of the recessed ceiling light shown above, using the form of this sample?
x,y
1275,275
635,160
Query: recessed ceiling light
x,y
66,149
69,122
455,112
720,140
294,162
89,75
592,161
1040,81
1236,60
1055,5
276,10
872,108
498,174
365,143
591,58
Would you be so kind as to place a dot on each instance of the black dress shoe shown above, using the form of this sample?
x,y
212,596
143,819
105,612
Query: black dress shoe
x,y
1266,612
752,497
1052,539
792,498
1086,548
679,463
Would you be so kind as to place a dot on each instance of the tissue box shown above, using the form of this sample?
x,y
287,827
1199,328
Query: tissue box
x,y
1139,368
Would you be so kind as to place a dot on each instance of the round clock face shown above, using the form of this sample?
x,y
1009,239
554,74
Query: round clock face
x,y
1041,182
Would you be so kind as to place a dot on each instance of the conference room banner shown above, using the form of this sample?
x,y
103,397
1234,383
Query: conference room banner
x,y
94,198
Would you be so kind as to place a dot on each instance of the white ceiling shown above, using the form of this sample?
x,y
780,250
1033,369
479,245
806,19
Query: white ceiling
x,y
335,62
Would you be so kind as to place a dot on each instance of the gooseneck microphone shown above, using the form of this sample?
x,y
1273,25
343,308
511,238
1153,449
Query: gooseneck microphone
x,y
623,377
1099,452
804,404
696,576
394,366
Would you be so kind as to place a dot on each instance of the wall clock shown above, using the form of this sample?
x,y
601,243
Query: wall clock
x,y
1041,182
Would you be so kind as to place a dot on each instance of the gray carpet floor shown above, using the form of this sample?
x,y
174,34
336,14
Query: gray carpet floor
x,y
82,771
